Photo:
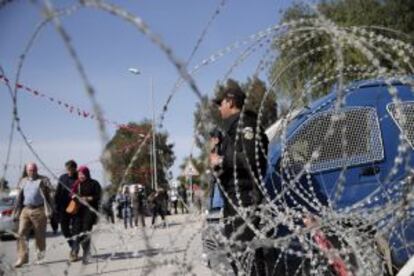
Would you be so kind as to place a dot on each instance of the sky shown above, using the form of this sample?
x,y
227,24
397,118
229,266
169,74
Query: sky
x,y
107,46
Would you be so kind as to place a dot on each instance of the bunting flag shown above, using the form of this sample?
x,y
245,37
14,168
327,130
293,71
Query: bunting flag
x,y
128,146
71,108
141,170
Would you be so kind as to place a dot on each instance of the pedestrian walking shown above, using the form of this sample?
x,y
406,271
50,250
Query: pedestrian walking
x,y
138,205
87,193
33,208
118,205
126,205
108,209
62,199
157,200
174,200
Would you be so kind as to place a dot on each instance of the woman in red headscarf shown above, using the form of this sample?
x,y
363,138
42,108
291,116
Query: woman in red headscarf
x,y
88,191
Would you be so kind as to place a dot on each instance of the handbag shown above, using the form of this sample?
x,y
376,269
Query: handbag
x,y
73,207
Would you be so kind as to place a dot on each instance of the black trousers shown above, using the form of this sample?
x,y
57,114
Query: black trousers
x,y
237,230
184,206
175,203
110,217
66,226
83,224
158,210
54,222
139,214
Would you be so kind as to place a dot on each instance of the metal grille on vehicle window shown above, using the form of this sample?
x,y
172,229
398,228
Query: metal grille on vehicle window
x,y
403,115
347,137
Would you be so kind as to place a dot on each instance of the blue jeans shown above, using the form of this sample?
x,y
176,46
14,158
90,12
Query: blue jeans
x,y
127,215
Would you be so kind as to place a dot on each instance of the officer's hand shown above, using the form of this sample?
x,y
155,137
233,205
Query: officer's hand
x,y
215,160
310,220
214,142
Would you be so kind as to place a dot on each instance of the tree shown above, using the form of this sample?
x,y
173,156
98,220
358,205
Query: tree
x,y
119,153
308,51
256,102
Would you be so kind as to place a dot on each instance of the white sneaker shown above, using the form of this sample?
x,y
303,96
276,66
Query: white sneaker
x,y
40,257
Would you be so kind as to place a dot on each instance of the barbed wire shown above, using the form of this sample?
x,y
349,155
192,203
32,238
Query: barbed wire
x,y
356,248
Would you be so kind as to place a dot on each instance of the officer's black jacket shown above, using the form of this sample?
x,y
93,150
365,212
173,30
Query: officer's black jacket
x,y
244,161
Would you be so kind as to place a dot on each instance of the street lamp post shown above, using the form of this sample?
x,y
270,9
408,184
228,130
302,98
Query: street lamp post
x,y
154,148
154,181
151,164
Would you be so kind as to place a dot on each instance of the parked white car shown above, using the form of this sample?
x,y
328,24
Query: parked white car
x,y
7,225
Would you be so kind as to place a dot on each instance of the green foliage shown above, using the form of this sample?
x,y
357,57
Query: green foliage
x,y
308,50
394,14
122,147
256,89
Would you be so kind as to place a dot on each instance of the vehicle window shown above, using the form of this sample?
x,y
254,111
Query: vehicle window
x,y
7,201
346,138
403,115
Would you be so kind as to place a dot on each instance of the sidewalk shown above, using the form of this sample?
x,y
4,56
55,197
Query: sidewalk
x,y
116,251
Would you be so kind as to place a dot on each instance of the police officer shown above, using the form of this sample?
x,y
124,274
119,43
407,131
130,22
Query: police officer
x,y
236,164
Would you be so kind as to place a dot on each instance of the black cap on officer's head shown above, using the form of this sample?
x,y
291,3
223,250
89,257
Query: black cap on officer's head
x,y
215,133
231,93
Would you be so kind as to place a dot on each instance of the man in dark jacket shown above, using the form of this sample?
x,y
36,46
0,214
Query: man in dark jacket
x,y
239,165
138,205
62,199
159,200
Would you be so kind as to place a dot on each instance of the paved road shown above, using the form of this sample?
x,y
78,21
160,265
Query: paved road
x,y
160,251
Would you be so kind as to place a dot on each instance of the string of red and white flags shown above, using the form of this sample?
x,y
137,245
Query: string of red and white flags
x,y
69,107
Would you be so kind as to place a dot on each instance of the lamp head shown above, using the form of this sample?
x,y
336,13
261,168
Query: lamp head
x,y
134,71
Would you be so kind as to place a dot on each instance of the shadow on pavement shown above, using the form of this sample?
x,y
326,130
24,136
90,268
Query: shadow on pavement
x,y
135,255
131,269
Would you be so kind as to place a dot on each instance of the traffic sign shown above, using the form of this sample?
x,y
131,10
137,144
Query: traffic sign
x,y
190,170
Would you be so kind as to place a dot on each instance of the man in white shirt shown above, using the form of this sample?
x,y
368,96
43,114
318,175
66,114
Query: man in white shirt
x,y
33,207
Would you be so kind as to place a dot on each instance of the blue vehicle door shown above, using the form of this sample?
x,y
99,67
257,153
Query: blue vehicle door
x,y
341,147
398,125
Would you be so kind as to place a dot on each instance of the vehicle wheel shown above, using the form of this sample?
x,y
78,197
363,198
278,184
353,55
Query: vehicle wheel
x,y
4,237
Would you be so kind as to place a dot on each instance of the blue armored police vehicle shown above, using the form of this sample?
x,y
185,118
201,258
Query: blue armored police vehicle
x,y
351,152
347,157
